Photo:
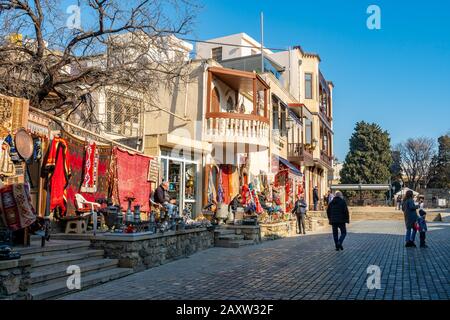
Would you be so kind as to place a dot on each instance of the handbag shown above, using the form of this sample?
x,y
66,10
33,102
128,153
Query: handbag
x,y
416,226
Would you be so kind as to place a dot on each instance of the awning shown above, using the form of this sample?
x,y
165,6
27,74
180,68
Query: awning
x,y
291,167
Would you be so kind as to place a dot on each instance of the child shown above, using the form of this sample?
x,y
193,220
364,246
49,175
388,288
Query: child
x,y
422,227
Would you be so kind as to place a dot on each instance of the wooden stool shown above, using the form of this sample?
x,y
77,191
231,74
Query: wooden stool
x,y
78,226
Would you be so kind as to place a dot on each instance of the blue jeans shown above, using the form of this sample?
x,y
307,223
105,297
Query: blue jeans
x,y
410,236
171,209
343,229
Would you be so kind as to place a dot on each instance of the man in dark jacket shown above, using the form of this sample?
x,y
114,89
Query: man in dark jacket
x,y
338,216
315,197
300,212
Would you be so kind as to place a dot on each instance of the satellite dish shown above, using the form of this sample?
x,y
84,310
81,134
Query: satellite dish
x,y
24,144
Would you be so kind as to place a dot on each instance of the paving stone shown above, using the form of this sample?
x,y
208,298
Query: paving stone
x,y
305,267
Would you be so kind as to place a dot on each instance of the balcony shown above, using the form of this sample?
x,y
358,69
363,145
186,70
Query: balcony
x,y
298,152
326,159
236,108
237,128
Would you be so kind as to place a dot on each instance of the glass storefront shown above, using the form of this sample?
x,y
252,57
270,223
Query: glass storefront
x,y
182,176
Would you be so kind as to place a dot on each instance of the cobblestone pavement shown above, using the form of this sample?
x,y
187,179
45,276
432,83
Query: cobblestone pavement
x,y
304,267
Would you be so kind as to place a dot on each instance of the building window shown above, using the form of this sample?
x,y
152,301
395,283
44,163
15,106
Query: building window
x,y
283,127
122,115
308,131
308,85
230,105
217,54
275,117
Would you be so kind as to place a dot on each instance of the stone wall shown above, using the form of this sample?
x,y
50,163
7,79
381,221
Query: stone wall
x,y
146,251
278,229
15,279
249,232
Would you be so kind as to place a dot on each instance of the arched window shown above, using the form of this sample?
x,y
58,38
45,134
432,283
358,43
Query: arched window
x,y
215,100
230,105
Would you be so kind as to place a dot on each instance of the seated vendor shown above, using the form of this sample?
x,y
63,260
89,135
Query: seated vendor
x,y
163,198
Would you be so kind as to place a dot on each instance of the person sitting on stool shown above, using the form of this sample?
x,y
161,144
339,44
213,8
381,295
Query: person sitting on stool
x,y
162,197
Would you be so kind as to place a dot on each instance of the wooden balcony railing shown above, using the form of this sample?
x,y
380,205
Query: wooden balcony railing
x,y
298,151
325,157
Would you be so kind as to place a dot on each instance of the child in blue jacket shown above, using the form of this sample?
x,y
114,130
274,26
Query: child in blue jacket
x,y
422,227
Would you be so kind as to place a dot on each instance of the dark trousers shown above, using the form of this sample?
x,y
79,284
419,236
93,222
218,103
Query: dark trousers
x,y
315,205
422,236
337,239
301,223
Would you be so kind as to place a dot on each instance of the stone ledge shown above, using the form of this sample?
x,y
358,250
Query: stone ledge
x,y
140,237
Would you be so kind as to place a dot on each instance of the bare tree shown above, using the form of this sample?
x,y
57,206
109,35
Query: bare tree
x,y
49,58
416,155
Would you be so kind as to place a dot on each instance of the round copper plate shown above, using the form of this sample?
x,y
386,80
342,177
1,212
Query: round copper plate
x,y
24,144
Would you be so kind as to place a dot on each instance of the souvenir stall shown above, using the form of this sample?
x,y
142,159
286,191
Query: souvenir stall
x,y
19,150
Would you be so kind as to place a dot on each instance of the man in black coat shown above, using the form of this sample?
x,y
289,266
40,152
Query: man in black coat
x,y
338,216
315,197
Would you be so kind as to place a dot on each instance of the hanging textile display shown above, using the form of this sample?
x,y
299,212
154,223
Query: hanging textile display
x,y
56,169
90,174
7,168
220,192
13,114
128,174
16,209
225,174
77,154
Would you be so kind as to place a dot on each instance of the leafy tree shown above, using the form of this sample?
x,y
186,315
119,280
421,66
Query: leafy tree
x,y
369,159
440,165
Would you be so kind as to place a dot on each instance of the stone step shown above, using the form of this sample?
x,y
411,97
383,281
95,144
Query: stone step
x,y
221,232
231,237
54,247
62,259
233,244
55,290
52,274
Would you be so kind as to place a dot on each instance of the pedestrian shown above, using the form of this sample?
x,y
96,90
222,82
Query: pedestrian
x,y
299,210
399,202
330,197
409,210
315,197
422,222
338,216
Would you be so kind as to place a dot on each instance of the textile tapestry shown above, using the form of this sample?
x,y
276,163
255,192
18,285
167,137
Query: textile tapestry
x,y
129,174
77,152
16,208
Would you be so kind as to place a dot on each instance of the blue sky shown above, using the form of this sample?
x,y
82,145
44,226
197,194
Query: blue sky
x,y
398,77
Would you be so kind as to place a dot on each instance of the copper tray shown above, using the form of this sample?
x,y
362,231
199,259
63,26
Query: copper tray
x,y
24,144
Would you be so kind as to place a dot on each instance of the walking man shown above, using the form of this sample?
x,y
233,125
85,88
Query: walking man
x,y
300,209
315,197
338,216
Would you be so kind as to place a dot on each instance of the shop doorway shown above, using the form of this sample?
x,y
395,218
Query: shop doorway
x,y
182,176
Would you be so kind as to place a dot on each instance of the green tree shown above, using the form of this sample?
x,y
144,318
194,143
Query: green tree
x,y
440,165
369,159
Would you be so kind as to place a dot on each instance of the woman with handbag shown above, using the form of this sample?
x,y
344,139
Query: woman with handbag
x,y
410,212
